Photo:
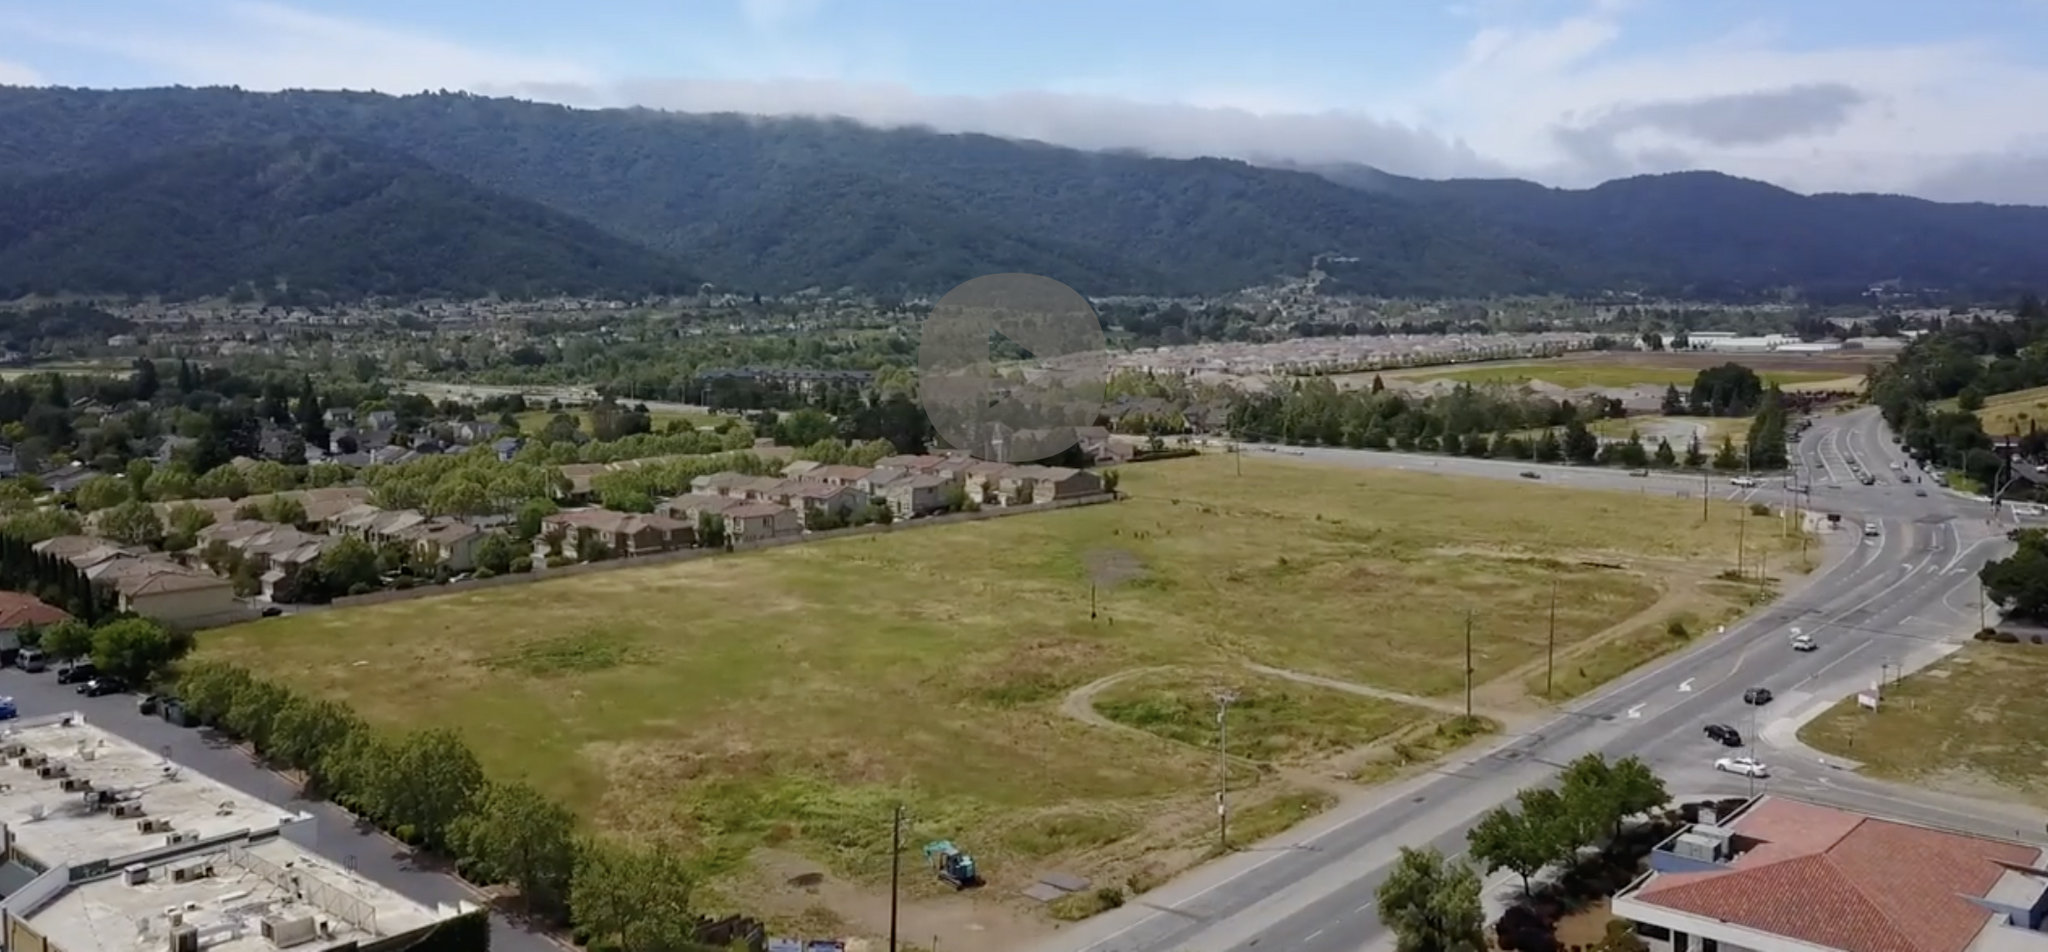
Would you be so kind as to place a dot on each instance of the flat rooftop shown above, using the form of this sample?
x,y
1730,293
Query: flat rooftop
x,y
152,798
237,888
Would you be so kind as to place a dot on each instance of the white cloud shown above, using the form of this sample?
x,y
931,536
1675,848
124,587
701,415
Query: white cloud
x,y
15,74
1564,99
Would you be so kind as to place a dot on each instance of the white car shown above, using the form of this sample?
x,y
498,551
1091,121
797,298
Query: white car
x,y
1743,481
1804,643
1743,766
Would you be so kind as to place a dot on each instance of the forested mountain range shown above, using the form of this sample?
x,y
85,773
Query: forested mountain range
x,y
631,199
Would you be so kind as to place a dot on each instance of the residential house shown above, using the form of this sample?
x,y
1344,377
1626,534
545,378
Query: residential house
x,y
739,486
340,417
10,463
879,479
65,478
690,507
980,481
156,587
917,464
1025,485
476,431
582,478
760,522
276,553
918,495
797,469
380,420
445,542
18,611
825,500
376,526
508,447
836,475
623,534
1783,874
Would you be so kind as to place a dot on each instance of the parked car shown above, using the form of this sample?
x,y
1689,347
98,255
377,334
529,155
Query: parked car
x,y
77,673
1742,765
1724,735
1919,492
1757,696
103,686
32,661
1639,472
1743,482
1531,474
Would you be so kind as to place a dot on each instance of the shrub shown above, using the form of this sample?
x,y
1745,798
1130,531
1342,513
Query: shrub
x,y
484,572
1985,634
1676,629
520,566
2008,638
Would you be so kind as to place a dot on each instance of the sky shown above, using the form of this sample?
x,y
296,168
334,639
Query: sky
x,y
1946,100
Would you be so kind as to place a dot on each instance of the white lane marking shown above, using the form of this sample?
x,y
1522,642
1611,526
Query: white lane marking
x,y
1846,655
1685,687
1312,936
1636,711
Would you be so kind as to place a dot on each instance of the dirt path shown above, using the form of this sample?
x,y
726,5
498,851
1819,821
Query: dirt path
x,y
1452,708
1079,703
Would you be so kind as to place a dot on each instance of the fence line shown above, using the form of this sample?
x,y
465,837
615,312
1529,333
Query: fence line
x,y
687,555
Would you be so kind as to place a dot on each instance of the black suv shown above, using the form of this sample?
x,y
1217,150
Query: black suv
x,y
1757,696
102,686
78,673
1725,735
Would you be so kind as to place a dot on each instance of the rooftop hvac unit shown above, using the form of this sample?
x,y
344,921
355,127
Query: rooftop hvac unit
x,y
51,771
178,838
14,750
285,933
153,826
32,761
128,810
187,874
74,784
136,875
184,939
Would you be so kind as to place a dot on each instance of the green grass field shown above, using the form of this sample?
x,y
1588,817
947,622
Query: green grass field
x,y
786,698
1968,724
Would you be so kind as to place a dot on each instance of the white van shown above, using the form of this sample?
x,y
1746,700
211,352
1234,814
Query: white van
x,y
32,660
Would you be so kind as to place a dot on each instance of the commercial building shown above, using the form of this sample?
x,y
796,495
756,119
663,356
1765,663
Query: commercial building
x,y
113,848
1784,875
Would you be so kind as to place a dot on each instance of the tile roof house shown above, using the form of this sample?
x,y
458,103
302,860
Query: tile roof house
x,y
18,611
760,521
1786,874
624,534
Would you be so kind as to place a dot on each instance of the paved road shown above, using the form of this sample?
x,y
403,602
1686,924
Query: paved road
x,y
1878,603
340,837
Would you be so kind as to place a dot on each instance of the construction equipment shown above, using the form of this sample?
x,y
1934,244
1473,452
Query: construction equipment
x,y
951,865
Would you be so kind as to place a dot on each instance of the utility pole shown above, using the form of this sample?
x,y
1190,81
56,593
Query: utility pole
x,y
1223,701
1239,453
1706,492
1549,650
1091,601
1980,605
895,869
1468,665
1741,534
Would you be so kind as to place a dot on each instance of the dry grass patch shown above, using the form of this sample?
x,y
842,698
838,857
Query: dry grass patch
x,y
789,698
2012,414
1272,720
1969,722
1573,375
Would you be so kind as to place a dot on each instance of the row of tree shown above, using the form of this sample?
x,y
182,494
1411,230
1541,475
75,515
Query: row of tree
x,y
1432,903
427,788
129,647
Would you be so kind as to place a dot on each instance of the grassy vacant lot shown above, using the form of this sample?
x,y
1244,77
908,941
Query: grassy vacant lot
x,y
1970,724
787,698
1676,429
2013,414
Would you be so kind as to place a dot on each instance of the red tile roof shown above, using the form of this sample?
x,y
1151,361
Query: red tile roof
x,y
17,609
1844,881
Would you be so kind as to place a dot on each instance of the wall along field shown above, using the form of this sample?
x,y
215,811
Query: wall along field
x,y
783,700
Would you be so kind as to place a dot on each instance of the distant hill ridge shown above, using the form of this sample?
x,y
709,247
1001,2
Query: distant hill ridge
x,y
635,199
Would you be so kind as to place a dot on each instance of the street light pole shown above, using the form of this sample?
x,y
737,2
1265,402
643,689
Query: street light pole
x,y
895,869
1468,665
1550,648
1223,702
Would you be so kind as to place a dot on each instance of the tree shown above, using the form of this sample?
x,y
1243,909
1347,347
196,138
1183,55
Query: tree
x,y
434,779
137,649
495,553
348,563
1524,841
1431,904
1727,458
1674,402
69,638
132,523
100,492
517,835
307,732
637,898
1664,456
1695,456
2018,582
221,482
711,530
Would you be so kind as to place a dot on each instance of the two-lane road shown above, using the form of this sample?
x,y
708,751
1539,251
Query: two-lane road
x,y
1878,601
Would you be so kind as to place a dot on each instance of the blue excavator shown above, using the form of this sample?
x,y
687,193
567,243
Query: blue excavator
x,y
952,866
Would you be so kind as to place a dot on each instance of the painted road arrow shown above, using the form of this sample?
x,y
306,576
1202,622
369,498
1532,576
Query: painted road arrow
x,y
1686,686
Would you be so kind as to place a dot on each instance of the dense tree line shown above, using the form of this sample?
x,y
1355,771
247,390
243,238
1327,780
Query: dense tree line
x,y
1489,421
1965,362
2019,582
427,788
136,649
304,219
56,581
1432,903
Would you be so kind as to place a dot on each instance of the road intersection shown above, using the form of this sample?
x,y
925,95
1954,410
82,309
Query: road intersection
x,y
1881,605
